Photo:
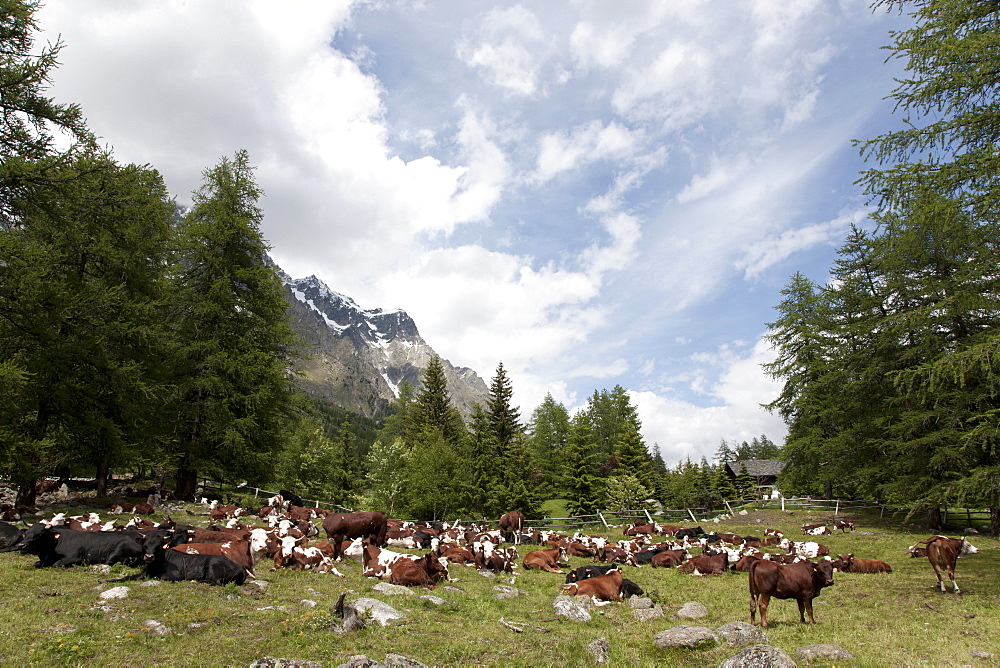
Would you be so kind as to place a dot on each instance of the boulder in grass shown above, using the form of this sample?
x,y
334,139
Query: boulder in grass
x,y
692,610
599,650
691,637
826,652
566,607
738,634
382,613
756,656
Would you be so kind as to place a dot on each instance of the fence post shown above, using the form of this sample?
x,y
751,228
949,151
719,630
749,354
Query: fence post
x,y
693,518
648,517
729,507
603,520
837,509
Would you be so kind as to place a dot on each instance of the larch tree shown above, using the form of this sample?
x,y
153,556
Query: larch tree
x,y
233,335
583,487
549,432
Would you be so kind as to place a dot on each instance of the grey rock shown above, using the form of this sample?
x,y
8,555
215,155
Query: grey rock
x,y
434,599
505,591
640,602
156,627
487,574
392,590
115,592
272,662
599,649
823,651
571,610
260,584
360,661
979,654
692,610
377,610
743,512
759,656
307,603
452,588
738,634
685,636
646,614
400,661
151,583
103,569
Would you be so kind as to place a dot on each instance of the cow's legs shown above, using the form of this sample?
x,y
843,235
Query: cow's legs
x,y
954,584
762,603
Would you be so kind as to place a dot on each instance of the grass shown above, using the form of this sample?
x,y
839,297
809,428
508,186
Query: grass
x,y
52,617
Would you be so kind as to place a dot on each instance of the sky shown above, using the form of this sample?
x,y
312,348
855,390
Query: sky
x,y
590,193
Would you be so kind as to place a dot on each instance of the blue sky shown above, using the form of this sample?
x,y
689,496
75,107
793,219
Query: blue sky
x,y
592,193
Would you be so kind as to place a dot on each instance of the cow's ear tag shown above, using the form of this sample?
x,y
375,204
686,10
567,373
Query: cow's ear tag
x,y
56,535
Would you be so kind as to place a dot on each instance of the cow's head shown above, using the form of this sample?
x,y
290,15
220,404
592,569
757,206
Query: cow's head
x,y
823,572
153,544
967,547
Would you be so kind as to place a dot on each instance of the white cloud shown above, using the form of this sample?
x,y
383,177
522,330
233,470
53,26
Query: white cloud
x,y
767,252
683,429
504,48
559,152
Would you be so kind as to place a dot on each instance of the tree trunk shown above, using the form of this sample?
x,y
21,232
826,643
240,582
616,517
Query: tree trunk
x,y
995,521
187,482
26,493
828,490
101,477
934,518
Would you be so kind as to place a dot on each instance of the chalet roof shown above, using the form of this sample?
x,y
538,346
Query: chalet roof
x,y
757,467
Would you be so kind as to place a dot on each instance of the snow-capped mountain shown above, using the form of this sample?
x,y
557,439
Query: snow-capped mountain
x,y
357,357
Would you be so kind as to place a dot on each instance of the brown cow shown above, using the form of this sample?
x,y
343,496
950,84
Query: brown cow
x,y
602,588
425,571
943,553
743,564
852,565
706,565
341,526
512,523
545,560
667,559
802,581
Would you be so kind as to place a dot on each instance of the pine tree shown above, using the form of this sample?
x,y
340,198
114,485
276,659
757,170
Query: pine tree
x,y
583,487
746,487
549,429
723,484
432,407
632,456
499,438
233,335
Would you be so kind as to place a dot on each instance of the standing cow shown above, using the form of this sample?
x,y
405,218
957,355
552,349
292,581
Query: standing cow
x,y
802,581
943,553
512,523
343,526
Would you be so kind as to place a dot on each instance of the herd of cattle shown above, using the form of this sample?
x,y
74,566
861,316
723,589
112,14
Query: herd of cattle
x,y
231,549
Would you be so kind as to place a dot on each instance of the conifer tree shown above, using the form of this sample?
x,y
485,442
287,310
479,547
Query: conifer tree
x,y
633,458
745,484
502,448
549,429
584,489
233,335
723,483
432,407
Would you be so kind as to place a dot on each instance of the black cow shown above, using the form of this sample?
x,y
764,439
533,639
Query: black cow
x,y
174,566
10,537
629,589
588,571
690,533
292,498
58,546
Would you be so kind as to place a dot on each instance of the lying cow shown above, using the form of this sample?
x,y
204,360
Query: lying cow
x,y
802,581
943,553
546,560
706,565
58,546
237,551
603,589
425,571
852,565
166,564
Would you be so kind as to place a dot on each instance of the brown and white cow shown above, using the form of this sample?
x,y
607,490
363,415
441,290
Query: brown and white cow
x,y
602,589
341,526
705,565
546,560
943,553
237,551
802,581
511,524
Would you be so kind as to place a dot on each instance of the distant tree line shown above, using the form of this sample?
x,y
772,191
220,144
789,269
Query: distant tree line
x,y
890,368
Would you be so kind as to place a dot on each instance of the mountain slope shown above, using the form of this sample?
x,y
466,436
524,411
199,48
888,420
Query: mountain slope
x,y
357,358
